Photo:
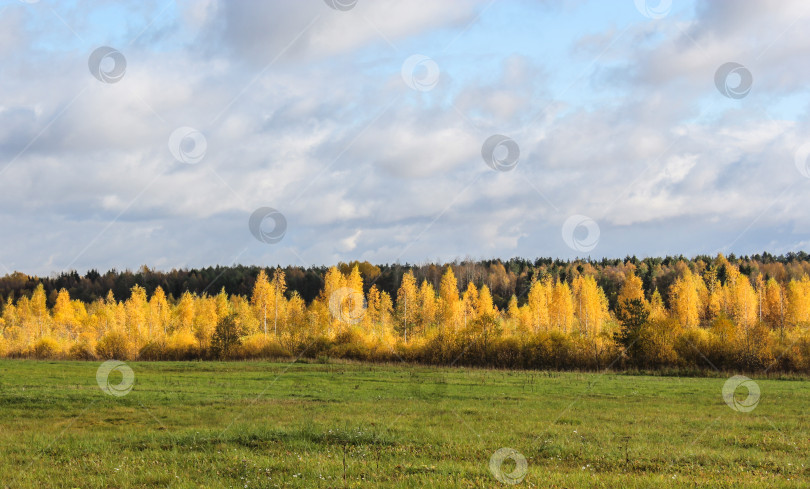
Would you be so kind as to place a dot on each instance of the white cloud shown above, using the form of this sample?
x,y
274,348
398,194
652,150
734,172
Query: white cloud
x,y
363,167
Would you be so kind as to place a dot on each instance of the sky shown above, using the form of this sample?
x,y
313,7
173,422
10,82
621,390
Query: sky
x,y
192,133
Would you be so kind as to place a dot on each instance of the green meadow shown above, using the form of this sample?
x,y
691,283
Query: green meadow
x,y
263,424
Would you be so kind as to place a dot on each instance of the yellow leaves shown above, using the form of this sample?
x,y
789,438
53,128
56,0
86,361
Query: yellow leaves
x,y
244,315
36,315
39,307
632,288
46,347
512,309
657,309
743,301
366,269
373,305
798,295
737,298
158,314
714,300
420,313
296,318
540,294
9,314
184,313
136,311
773,307
469,303
333,281
181,340
448,288
269,303
223,306
205,320
386,308
407,302
427,304
448,297
67,315
513,315
355,281
561,308
591,306
114,345
63,312
485,307
685,300
262,299
257,346
724,329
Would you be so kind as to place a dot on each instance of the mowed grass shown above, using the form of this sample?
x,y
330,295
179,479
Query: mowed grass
x,y
254,424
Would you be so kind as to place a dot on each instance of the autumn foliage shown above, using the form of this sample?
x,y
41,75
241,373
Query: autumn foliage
x,y
703,313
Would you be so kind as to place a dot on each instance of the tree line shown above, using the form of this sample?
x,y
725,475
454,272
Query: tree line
x,y
706,312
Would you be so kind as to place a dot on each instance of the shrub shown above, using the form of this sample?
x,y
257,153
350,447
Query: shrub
x,y
755,348
82,351
634,317
537,351
260,346
797,352
349,344
657,342
182,345
46,348
226,336
506,353
316,347
113,346
562,351
154,350
693,346
349,351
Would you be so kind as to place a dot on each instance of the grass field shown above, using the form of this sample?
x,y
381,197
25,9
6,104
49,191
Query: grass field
x,y
344,425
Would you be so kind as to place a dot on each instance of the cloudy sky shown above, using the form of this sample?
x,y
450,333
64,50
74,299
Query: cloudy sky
x,y
149,132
